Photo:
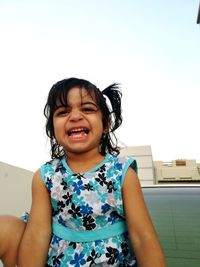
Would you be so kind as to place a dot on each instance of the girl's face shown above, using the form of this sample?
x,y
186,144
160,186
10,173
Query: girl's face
x,y
78,126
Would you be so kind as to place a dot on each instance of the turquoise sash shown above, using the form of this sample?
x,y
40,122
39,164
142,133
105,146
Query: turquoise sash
x,y
88,235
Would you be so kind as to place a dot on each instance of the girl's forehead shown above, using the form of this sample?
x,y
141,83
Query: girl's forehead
x,y
76,95
80,94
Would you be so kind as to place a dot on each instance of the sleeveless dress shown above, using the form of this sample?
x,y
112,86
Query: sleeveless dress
x,y
88,222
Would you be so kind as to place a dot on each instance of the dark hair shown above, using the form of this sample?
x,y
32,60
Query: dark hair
x,y
110,116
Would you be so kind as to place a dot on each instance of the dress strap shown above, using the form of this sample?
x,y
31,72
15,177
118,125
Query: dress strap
x,y
88,235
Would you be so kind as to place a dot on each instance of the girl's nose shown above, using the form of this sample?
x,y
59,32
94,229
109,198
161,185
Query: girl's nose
x,y
75,115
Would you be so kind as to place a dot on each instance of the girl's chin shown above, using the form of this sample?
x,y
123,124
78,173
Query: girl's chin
x,y
80,149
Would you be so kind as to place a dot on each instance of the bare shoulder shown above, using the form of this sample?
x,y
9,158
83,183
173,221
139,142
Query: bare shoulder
x,y
41,207
38,186
37,178
37,183
131,181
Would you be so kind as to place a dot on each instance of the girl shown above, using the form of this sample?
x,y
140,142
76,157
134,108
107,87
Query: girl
x,y
87,205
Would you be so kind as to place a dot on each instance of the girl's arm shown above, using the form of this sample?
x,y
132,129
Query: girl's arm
x,y
35,242
142,234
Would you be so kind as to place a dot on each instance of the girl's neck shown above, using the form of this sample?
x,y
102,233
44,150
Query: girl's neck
x,y
84,161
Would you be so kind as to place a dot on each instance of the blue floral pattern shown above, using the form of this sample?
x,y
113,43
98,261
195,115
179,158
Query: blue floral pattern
x,y
87,201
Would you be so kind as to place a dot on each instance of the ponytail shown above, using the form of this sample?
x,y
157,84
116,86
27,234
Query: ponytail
x,y
114,95
112,117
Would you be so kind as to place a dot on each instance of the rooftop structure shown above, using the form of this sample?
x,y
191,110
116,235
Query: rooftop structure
x,y
181,170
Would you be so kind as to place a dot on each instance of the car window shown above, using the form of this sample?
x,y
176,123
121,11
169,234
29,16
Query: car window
x,y
175,212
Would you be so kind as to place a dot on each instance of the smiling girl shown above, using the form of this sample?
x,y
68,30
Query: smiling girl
x,y
87,204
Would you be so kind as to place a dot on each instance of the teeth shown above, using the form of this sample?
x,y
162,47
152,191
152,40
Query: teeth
x,y
78,130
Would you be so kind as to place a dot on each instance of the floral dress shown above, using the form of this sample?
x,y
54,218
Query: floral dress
x,y
88,223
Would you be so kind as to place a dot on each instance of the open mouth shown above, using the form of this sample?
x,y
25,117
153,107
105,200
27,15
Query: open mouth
x,y
78,131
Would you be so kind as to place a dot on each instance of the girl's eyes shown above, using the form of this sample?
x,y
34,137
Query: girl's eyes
x,y
88,109
84,109
62,112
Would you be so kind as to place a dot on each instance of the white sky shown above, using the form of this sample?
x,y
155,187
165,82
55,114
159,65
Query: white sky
x,y
151,47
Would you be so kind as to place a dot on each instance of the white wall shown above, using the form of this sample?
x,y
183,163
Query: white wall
x,y
15,189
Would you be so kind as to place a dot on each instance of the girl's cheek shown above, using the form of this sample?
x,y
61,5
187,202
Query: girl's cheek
x,y
57,123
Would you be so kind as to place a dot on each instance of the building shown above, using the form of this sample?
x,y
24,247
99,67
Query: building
x,y
177,171
143,156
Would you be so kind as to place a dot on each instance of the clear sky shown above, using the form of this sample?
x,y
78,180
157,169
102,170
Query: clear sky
x,y
150,47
